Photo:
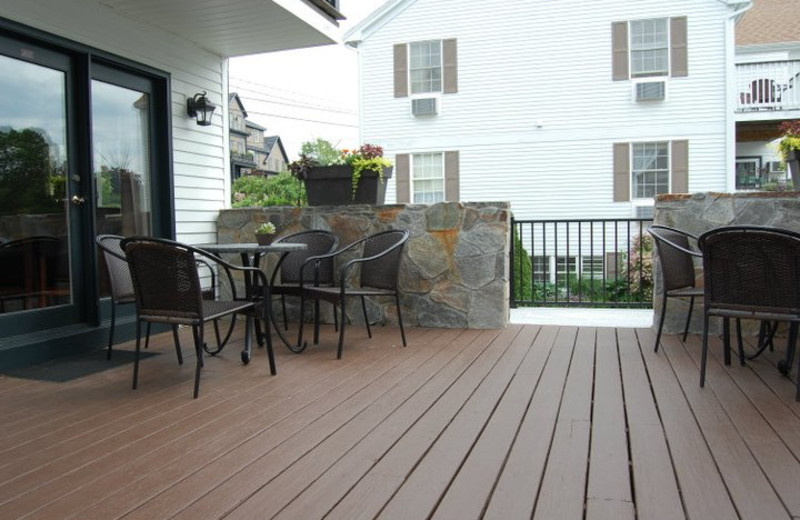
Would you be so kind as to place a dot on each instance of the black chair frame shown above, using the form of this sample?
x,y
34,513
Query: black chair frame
x,y
168,290
379,270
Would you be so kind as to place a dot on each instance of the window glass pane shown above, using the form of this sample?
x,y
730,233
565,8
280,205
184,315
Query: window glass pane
x,y
649,47
427,175
650,169
425,67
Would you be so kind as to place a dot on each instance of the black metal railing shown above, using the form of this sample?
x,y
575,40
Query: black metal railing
x,y
584,263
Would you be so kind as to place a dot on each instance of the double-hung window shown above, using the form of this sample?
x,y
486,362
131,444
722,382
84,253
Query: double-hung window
x,y
650,169
649,47
425,66
427,184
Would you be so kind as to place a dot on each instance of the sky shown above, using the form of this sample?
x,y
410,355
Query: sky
x,y
305,94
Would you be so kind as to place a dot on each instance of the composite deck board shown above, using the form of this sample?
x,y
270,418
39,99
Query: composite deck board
x,y
656,492
740,470
525,422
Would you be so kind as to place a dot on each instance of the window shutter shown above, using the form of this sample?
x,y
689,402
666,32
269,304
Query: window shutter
x,y
680,167
402,181
400,70
622,172
619,48
450,66
451,167
679,47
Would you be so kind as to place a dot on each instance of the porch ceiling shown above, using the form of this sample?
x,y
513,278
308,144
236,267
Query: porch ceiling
x,y
238,27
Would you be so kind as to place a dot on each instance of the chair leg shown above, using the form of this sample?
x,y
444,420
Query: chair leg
x,y
197,332
147,338
283,308
400,318
661,320
785,366
688,318
248,327
136,354
111,329
726,340
316,322
366,320
177,341
704,354
341,331
739,341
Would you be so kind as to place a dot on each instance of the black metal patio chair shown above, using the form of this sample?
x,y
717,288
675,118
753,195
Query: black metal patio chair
x,y
168,290
751,272
379,266
678,277
286,276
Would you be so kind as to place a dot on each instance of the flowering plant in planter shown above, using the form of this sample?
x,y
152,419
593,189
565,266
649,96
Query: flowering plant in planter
x,y
791,138
367,157
265,233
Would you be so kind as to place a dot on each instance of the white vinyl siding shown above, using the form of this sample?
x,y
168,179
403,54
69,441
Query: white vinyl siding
x,y
537,113
649,47
427,178
425,66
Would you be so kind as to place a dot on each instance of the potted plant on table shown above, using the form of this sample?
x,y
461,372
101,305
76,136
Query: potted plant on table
x,y
789,148
265,233
337,177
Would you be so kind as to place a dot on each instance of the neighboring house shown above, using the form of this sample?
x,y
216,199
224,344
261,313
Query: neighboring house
x,y
276,161
242,162
578,109
95,96
766,88
251,152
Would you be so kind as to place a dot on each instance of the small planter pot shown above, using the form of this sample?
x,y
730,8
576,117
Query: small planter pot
x,y
793,162
264,239
333,186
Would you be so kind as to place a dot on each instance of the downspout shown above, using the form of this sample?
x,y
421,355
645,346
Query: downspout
x,y
730,92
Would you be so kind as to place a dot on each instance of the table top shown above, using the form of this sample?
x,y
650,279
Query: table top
x,y
251,247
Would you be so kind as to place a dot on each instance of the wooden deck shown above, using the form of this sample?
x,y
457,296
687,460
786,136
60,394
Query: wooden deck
x,y
525,422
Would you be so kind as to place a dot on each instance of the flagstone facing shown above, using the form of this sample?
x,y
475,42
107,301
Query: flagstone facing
x,y
455,269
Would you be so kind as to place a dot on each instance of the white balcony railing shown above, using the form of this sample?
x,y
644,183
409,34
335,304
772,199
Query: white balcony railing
x,y
768,86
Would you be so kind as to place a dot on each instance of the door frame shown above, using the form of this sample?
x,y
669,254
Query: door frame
x,y
36,335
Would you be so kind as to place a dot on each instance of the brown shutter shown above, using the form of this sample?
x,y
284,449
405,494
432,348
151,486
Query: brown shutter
x,y
679,54
400,70
402,181
680,167
450,66
622,172
451,168
619,49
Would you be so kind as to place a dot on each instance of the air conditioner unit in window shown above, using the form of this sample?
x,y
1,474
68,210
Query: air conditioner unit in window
x,y
424,107
650,90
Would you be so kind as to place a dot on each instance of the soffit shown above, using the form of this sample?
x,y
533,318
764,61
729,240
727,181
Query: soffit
x,y
237,27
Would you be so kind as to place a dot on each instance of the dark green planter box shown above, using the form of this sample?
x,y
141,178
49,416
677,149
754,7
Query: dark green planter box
x,y
332,186
793,162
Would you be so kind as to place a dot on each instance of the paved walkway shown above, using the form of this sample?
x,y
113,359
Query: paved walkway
x,y
626,318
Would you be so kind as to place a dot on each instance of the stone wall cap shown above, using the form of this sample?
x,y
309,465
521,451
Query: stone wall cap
x,y
669,197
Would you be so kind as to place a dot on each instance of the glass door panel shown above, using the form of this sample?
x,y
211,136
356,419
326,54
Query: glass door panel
x,y
121,162
35,234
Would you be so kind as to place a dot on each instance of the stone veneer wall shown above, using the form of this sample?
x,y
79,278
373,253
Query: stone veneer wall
x,y
455,269
699,212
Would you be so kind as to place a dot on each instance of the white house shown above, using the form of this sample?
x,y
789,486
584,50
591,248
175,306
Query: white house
x,y
96,138
766,90
564,108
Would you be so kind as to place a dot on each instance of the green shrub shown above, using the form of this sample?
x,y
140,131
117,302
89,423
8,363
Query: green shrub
x,y
259,191
523,270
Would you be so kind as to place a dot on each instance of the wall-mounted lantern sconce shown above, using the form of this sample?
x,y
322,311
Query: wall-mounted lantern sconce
x,y
201,108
